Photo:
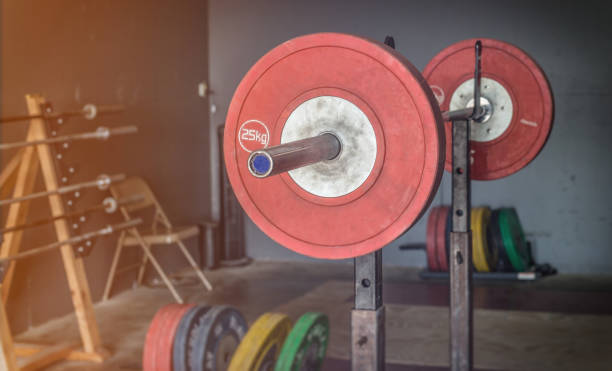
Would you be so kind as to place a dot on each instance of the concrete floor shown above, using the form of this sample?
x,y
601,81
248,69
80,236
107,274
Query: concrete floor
x,y
268,286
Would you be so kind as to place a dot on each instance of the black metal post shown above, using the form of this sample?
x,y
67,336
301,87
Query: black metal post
x,y
368,317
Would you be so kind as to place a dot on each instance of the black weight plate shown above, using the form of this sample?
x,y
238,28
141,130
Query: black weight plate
x,y
495,241
222,329
189,326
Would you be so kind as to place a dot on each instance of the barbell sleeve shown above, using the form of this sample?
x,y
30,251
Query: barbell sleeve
x,y
293,155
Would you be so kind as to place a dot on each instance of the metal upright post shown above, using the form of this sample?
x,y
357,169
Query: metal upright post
x,y
460,259
368,317
461,253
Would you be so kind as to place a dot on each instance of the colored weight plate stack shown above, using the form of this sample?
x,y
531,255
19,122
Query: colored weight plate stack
x,y
158,348
261,346
305,347
432,258
495,240
513,240
185,337
211,343
189,326
438,229
498,240
484,255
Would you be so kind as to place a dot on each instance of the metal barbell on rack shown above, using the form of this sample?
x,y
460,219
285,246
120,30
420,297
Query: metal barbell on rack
x,y
89,112
109,229
109,205
101,133
102,182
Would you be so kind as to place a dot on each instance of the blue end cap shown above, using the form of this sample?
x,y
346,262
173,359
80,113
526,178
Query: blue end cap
x,y
261,164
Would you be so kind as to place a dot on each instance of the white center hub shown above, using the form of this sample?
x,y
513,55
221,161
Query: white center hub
x,y
501,108
351,168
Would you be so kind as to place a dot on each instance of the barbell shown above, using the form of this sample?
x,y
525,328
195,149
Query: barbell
x,y
102,182
109,229
335,144
109,205
101,133
89,112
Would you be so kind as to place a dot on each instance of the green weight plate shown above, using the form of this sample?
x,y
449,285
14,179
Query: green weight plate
x,y
495,241
305,347
514,239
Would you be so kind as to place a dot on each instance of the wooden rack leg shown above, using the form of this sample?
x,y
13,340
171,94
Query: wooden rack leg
x,y
10,169
24,184
75,270
8,178
8,361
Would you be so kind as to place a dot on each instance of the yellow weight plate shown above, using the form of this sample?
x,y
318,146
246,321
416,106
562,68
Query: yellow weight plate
x,y
481,254
261,345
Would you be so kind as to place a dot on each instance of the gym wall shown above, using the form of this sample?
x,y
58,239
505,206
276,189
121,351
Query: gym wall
x,y
149,56
561,197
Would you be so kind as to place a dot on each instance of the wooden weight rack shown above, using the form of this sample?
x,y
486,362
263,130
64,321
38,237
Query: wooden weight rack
x,y
21,172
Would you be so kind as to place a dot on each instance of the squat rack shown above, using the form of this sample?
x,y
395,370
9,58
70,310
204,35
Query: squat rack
x,y
368,316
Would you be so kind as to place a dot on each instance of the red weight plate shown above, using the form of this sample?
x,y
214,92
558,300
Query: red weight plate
x,y
157,354
432,224
441,238
409,138
524,130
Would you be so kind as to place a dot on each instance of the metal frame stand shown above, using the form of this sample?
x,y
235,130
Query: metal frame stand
x,y
460,259
368,316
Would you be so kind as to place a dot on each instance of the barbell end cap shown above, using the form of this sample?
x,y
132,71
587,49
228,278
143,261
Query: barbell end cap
x,y
103,133
110,205
90,111
103,181
260,164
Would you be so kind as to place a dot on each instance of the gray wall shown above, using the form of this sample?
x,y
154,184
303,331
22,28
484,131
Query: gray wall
x,y
149,56
562,197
